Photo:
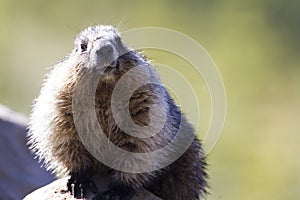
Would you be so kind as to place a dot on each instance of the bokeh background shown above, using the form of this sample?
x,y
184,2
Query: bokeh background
x,y
255,44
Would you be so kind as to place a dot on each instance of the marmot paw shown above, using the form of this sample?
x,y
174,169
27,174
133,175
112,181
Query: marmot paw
x,y
80,182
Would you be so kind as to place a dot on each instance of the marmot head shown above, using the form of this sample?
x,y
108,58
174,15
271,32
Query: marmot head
x,y
100,49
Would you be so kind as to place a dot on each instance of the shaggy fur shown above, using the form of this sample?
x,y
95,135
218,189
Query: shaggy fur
x,y
54,139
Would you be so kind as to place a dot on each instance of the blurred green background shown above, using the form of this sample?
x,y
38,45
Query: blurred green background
x,y
255,44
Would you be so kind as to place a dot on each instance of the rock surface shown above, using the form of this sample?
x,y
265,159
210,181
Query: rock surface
x,y
56,191
19,172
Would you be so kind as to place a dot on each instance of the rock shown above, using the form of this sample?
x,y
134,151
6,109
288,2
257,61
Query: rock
x,y
51,191
20,173
57,191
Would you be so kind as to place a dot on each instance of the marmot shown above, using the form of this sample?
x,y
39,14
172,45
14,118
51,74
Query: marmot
x,y
100,54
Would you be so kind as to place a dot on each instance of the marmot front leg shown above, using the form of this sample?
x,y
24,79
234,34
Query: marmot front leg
x,y
77,160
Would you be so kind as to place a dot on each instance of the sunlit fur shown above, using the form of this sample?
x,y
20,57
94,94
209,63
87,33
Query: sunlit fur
x,y
55,141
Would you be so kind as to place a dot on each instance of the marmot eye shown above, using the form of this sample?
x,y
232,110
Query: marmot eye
x,y
83,46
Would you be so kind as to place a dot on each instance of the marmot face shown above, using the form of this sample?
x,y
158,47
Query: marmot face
x,y
99,47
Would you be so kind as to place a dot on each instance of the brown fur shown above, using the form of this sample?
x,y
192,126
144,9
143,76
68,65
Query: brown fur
x,y
183,179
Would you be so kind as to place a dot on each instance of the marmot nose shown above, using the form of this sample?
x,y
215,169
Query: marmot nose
x,y
105,50
103,53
